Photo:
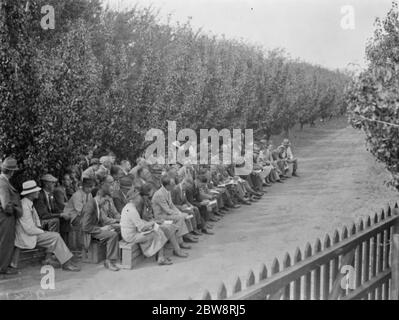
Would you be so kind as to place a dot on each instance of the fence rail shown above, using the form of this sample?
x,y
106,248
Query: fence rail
x,y
352,264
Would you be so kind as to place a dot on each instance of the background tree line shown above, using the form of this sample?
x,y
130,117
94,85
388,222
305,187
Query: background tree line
x,y
374,95
104,77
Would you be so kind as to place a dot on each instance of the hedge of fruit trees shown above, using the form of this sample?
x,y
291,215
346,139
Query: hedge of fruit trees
x,y
373,99
105,77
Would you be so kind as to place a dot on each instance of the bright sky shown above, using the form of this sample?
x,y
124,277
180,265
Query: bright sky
x,y
307,29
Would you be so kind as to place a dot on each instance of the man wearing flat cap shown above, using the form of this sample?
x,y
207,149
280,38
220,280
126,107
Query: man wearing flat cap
x,y
46,206
119,196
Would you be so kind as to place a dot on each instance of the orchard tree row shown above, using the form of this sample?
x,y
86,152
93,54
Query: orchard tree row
x,y
104,77
373,98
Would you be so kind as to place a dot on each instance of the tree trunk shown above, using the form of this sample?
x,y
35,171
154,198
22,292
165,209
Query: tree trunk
x,y
287,132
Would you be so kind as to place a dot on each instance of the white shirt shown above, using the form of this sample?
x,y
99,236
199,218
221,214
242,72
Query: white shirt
x,y
290,156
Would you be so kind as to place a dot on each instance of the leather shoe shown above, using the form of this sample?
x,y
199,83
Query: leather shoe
x,y
185,246
197,233
164,262
10,271
190,240
70,267
110,266
180,254
205,231
51,262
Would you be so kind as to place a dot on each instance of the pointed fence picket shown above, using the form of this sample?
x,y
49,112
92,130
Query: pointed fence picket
x,y
361,262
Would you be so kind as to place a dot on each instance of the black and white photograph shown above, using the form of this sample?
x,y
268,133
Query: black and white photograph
x,y
206,152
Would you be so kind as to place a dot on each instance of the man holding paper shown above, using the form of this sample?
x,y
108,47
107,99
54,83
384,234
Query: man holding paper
x,y
164,209
179,199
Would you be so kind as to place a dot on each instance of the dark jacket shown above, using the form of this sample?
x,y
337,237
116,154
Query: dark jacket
x,y
193,195
179,197
46,209
61,198
90,221
120,200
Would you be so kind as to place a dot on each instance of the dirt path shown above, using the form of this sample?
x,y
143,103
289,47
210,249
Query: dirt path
x,y
340,182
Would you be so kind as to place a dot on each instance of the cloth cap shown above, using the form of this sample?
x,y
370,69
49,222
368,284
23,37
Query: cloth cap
x,y
48,178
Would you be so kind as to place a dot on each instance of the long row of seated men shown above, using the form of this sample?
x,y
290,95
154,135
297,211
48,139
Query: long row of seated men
x,y
149,205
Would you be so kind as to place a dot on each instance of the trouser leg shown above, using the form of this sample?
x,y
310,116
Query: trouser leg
x,y
295,165
170,233
227,199
112,240
52,224
15,257
204,213
219,200
53,242
65,229
198,218
181,226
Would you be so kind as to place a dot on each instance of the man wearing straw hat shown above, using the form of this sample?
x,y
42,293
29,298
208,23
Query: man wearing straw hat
x,y
10,211
29,233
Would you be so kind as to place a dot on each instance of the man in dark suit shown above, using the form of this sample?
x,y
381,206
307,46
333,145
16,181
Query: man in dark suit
x,y
46,206
180,201
194,198
63,192
95,225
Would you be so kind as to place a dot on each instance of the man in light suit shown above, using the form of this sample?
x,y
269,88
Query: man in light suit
x,y
29,234
164,209
287,154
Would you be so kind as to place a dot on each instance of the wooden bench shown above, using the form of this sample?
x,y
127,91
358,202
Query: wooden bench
x,y
29,257
96,254
131,254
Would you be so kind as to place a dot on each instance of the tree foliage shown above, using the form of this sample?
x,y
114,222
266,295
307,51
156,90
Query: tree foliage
x,y
374,95
104,77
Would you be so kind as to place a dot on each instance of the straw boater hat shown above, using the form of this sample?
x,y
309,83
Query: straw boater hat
x,y
10,164
29,187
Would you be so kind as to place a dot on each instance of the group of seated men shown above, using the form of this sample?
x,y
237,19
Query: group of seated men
x,y
149,205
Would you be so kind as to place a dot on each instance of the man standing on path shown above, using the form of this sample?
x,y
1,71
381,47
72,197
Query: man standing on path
x,y
10,211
